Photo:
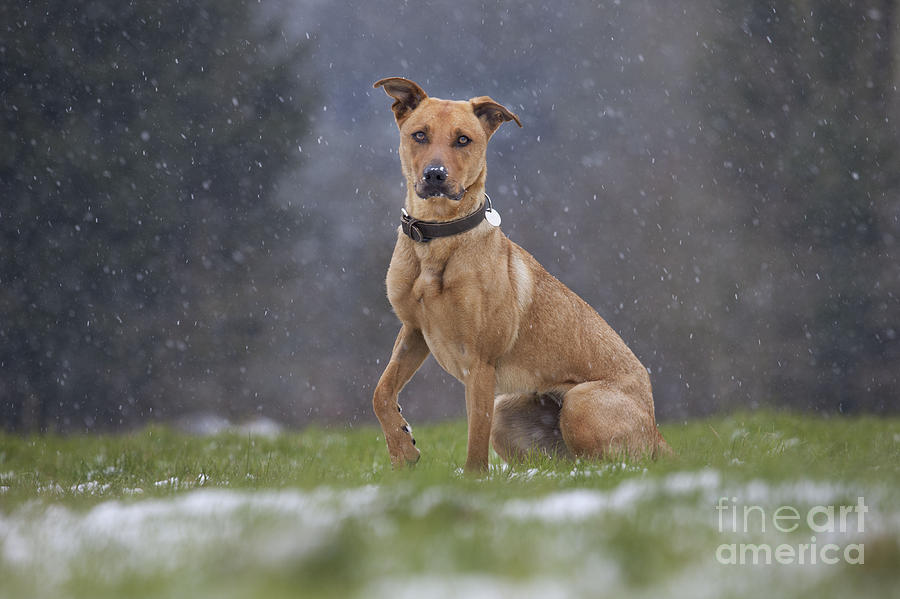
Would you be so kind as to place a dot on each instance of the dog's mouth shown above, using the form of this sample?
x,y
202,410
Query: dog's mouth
x,y
425,191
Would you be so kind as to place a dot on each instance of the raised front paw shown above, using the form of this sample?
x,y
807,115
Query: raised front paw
x,y
403,447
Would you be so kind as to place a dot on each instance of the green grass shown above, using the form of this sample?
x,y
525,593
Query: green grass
x,y
320,513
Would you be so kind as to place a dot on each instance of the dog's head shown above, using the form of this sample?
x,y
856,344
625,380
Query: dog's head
x,y
442,142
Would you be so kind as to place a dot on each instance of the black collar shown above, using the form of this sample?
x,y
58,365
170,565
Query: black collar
x,y
424,231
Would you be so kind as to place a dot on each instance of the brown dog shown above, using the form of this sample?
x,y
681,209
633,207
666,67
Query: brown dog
x,y
490,314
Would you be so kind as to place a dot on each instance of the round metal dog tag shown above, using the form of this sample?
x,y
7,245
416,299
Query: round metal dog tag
x,y
493,217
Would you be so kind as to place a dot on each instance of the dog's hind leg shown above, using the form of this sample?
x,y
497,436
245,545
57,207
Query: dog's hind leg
x,y
598,421
525,423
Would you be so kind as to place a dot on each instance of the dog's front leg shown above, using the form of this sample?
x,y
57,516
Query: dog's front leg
x,y
480,385
410,350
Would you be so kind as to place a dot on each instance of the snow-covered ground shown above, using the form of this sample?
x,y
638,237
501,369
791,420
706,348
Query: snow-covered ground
x,y
53,544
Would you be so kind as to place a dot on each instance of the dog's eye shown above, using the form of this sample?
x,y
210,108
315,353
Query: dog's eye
x,y
420,136
463,140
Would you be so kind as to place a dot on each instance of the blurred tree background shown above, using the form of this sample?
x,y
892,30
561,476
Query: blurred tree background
x,y
199,199
803,113
142,144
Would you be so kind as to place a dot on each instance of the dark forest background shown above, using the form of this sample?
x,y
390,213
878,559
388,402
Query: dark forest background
x,y
198,200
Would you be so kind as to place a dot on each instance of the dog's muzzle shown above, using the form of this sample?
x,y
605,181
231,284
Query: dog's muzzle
x,y
436,182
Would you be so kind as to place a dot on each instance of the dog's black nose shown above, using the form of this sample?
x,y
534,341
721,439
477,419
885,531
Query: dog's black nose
x,y
435,174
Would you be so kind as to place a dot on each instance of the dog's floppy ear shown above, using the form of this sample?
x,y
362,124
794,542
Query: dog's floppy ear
x,y
492,114
406,94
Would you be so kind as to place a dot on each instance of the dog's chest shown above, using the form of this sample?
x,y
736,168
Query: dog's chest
x,y
417,287
429,284
434,299
431,299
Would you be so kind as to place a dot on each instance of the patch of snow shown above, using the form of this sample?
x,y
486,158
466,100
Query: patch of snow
x,y
176,483
169,482
566,505
682,483
429,500
90,488
482,586
801,492
528,474
51,488
277,529
503,470
579,504
160,535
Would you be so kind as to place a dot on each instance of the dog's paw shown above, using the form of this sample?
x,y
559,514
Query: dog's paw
x,y
407,456
412,456
403,448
